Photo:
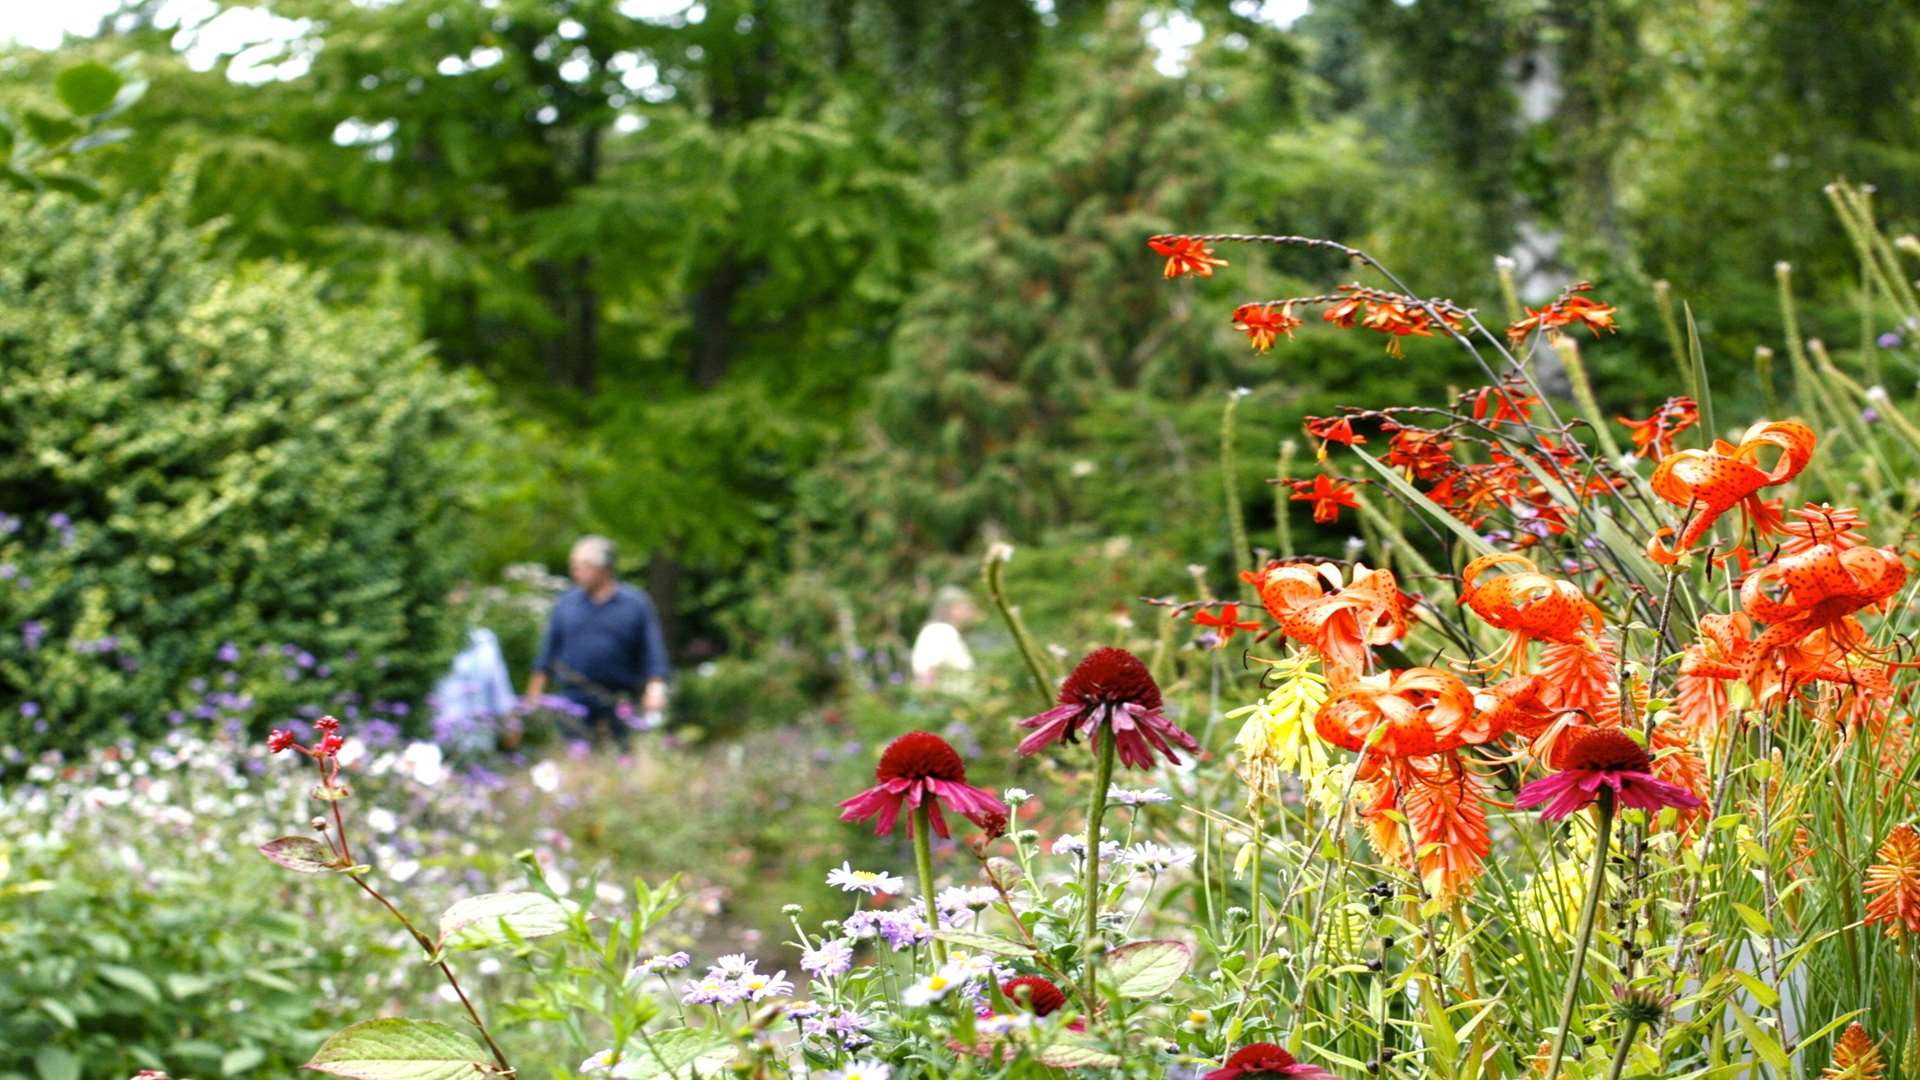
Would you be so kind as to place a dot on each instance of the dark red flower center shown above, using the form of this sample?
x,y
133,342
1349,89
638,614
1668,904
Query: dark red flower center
x,y
920,755
1605,750
1257,1057
1111,677
1043,997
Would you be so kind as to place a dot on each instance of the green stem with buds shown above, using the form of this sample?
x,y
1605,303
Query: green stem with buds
x,y
1096,809
1596,885
923,859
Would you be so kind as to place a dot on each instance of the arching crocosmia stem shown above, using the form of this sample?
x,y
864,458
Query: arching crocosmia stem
x,y
923,859
1096,809
1589,908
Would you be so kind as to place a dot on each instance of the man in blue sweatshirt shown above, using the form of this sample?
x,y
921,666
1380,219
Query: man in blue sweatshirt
x,y
603,643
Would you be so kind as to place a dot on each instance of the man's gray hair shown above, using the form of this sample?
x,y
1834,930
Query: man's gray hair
x,y
598,550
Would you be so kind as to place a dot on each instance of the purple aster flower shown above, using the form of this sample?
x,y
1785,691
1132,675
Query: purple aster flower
x,y
32,632
830,961
1888,340
229,653
29,709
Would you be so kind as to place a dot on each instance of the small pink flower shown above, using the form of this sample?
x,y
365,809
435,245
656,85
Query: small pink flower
x,y
281,739
1111,691
1593,759
921,767
329,746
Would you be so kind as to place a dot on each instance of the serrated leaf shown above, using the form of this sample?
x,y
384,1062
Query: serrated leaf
x,y
1146,969
985,943
301,854
398,1049
87,89
1076,1051
496,918
705,1052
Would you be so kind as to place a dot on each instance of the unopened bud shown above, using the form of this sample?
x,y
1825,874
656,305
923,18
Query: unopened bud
x,y
319,824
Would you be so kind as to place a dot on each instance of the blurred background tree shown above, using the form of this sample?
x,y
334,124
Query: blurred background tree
x,y
803,302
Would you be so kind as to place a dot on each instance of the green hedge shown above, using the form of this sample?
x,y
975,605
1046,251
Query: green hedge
x,y
225,500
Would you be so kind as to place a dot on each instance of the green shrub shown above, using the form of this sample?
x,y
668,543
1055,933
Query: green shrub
x,y
204,462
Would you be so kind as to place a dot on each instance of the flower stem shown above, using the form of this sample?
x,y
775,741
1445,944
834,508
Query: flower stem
x,y
1096,809
1596,885
1626,1048
923,858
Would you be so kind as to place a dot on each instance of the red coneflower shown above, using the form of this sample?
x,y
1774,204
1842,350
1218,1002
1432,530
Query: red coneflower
x,y
1257,1060
921,768
1111,691
1043,998
1593,759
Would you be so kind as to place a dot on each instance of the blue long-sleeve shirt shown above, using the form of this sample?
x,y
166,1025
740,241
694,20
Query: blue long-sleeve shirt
x,y
615,644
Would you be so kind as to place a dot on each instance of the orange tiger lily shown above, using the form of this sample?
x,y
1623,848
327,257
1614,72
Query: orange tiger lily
x,y
1529,605
1712,482
1315,607
1416,712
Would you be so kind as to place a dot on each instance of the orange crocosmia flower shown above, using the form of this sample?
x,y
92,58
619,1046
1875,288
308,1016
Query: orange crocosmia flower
x,y
1337,620
1855,1057
1570,309
1345,313
1334,429
1893,883
1528,604
1708,483
1425,455
1185,255
1327,497
1227,622
1655,434
1504,403
1397,713
1819,523
1264,324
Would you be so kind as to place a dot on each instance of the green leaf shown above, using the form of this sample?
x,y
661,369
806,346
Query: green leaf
x,y
1073,1050
235,1062
54,1063
77,186
396,1049
1766,995
49,130
985,943
98,139
497,918
183,986
88,89
130,980
1425,505
706,1052
301,854
1146,969
6,154
1755,921
1763,1042
61,1014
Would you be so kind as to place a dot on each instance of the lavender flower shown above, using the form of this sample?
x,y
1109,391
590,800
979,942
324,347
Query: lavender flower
x,y
830,961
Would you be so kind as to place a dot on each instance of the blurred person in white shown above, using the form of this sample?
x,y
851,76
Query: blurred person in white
x,y
941,659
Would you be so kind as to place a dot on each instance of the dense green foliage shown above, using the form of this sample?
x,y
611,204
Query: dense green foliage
x,y
210,472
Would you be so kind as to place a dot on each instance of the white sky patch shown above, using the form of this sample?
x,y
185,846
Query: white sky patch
x,y
257,42
1173,34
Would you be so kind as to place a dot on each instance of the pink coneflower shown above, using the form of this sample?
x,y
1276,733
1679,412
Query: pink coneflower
x,y
1111,690
1597,758
922,768
1257,1060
